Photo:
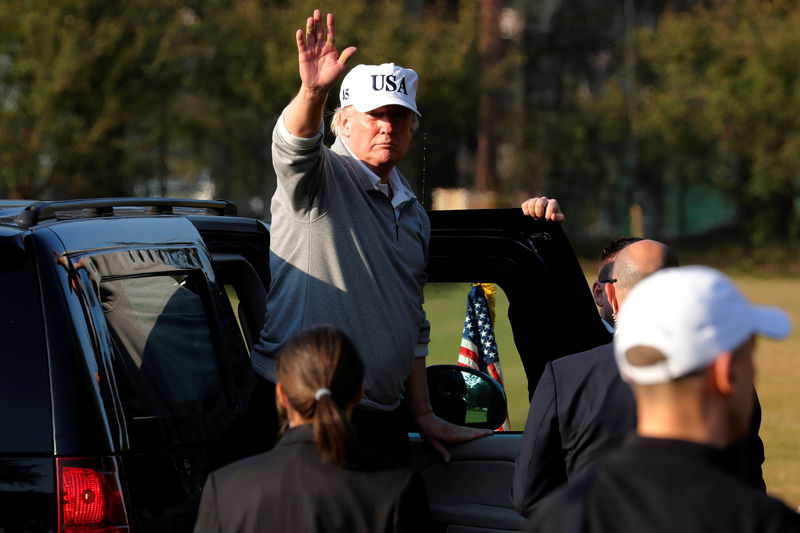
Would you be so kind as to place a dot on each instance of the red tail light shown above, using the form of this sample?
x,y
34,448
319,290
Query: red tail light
x,y
90,496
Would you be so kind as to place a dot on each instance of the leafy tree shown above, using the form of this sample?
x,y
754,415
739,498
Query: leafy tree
x,y
75,74
140,97
576,143
717,105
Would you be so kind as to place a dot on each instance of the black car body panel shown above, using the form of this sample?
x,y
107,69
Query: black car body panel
x,y
71,395
98,291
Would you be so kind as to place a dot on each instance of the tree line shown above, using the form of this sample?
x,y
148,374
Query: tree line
x,y
603,104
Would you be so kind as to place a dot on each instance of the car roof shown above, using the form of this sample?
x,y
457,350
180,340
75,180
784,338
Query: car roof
x,y
26,214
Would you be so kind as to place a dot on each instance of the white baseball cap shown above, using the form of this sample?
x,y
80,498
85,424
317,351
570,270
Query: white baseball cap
x,y
691,315
368,87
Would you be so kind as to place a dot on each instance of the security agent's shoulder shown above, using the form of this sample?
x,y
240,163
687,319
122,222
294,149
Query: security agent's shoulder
x,y
242,472
386,477
297,444
602,495
582,362
777,516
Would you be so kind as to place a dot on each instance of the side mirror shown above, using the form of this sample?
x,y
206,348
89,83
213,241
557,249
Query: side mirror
x,y
466,397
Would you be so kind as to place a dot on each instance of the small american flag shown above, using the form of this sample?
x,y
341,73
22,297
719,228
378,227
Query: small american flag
x,y
478,346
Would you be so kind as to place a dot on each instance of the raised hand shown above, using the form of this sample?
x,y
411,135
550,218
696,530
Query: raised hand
x,y
320,63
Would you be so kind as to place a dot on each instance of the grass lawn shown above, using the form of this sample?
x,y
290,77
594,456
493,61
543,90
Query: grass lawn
x,y
778,381
778,385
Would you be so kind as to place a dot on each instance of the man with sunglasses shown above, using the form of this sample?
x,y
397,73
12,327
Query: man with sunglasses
x,y
607,256
581,409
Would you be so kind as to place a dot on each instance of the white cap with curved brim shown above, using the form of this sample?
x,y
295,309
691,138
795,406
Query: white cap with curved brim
x,y
691,315
368,87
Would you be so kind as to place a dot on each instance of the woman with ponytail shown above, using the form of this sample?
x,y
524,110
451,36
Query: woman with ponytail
x,y
315,479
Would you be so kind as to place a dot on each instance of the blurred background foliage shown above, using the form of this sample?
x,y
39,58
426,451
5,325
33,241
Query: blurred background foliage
x,y
669,119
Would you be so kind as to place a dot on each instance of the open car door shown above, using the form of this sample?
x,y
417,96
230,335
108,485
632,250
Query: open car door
x,y
551,313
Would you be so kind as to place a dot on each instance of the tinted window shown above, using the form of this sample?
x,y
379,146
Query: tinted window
x,y
166,359
24,384
246,294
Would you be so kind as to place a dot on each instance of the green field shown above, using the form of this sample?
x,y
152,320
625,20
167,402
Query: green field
x,y
778,385
778,380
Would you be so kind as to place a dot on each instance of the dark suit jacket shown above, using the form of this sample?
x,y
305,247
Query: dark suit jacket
x,y
580,411
289,488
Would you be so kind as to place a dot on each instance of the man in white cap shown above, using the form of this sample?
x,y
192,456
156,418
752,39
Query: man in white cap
x,y
349,240
685,341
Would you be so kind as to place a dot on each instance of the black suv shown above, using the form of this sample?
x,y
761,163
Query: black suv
x,y
125,378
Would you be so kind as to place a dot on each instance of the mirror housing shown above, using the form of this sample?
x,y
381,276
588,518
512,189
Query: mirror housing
x,y
466,397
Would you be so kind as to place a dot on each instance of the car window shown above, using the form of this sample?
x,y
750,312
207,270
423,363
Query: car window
x,y
24,385
165,354
245,291
446,308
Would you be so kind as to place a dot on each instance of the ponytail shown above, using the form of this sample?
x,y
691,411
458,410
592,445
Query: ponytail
x,y
322,374
332,432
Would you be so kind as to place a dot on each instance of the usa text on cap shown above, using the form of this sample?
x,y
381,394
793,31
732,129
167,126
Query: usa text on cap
x,y
368,87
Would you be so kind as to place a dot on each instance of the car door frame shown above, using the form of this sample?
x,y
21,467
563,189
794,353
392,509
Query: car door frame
x,y
534,264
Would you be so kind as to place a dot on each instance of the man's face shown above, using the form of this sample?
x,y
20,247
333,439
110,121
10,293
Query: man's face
x,y
599,293
379,138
